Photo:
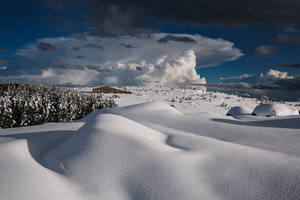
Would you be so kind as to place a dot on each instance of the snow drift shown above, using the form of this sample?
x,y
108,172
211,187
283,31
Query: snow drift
x,y
238,110
149,151
268,110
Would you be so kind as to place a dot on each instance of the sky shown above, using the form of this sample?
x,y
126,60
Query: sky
x,y
148,42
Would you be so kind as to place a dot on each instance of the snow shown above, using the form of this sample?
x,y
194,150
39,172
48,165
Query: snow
x,y
160,143
274,109
239,110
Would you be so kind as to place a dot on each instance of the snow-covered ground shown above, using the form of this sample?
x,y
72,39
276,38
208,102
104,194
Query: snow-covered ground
x,y
160,143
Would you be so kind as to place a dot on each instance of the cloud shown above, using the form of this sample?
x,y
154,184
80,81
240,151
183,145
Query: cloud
x,y
270,79
287,65
264,50
3,50
287,39
289,83
275,74
239,77
171,63
128,17
168,38
279,79
45,46
55,77
79,36
66,65
79,57
75,48
68,77
94,46
129,46
290,28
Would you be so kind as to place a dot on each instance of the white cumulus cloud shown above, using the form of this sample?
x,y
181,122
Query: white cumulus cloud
x,y
127,60
272,78
275,74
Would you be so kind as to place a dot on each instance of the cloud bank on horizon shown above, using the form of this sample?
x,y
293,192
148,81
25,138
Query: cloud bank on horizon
x,y
272,78
144,59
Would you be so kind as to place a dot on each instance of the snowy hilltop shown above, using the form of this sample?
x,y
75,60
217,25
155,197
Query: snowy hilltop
x,y
159,143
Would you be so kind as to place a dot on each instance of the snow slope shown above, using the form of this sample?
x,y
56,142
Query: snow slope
x,y
174,148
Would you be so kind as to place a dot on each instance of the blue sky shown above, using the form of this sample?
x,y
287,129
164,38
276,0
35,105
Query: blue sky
x,y
245,38
24,22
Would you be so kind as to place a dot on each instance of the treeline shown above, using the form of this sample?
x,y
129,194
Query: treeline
x,y
24,104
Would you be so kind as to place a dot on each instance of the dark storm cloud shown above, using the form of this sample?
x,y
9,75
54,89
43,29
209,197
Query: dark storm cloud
x,y
79,57
287,39
45,46
129,16
128,46
176,39
264,50
288,83
3,50
79,36
94,46
287,65
66,65
75,48
290,28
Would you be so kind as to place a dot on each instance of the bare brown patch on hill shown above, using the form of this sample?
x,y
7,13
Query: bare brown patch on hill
x,y
108,89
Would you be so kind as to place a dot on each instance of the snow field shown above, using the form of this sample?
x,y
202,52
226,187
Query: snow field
x,y
165,149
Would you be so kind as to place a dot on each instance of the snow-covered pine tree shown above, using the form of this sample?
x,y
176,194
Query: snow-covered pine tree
x,y
24,104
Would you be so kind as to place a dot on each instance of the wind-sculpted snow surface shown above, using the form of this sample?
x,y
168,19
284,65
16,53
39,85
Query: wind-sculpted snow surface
x,y
150,151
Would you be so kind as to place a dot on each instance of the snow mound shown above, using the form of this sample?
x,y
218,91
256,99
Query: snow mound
x,y
149,108
113,157
268,110
91,138
239,110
